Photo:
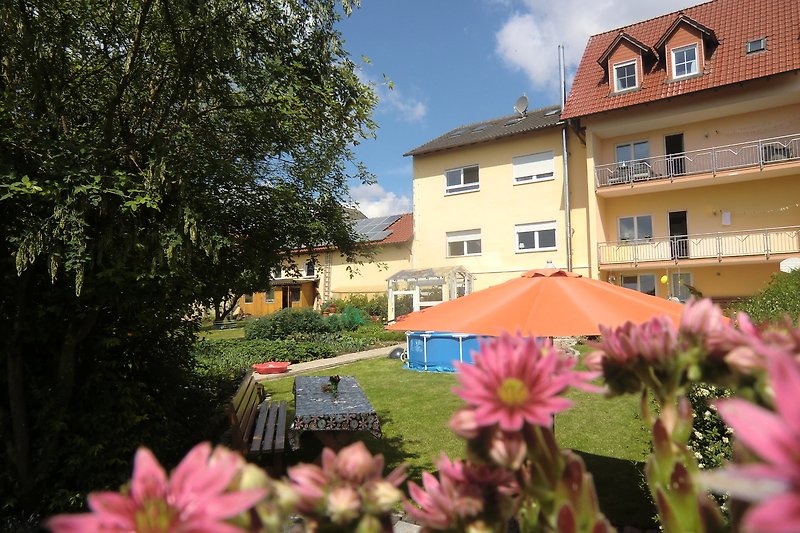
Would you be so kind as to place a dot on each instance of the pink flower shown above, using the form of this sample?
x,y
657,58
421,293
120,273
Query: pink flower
x,y
775,438
347,486
193,499
517,380
701,318
460,494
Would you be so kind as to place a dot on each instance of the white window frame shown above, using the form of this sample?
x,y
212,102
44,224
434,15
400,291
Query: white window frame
x,y
636,237
464,237
461,186
536,228
696,61
675,288
635,63
638,278
247,298
632,146
533,167
269,296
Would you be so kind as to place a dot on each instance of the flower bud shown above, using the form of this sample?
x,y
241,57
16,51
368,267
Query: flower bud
x,y
343,505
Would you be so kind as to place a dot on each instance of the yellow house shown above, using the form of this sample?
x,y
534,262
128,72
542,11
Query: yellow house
x,y
691,124
325,274
490,198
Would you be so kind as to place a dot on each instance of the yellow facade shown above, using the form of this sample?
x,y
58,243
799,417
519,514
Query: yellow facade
x,y
332,277
499,208
721,212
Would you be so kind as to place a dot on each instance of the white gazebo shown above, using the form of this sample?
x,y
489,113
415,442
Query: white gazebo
x,y
412,290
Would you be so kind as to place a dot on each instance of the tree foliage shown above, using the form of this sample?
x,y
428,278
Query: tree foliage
x,y
153,153
778,300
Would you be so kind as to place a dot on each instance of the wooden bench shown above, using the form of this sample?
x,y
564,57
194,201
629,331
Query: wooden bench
x,y
258,426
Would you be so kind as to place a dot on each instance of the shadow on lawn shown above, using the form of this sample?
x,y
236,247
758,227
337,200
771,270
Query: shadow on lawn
x,y
622,491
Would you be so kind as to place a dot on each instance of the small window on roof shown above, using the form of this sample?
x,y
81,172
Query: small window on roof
x,y
513,121
479,128
756,45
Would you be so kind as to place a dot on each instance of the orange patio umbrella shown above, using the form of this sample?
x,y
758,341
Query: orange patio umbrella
x,y
546,303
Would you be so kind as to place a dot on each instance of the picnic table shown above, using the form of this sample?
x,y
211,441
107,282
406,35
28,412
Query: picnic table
x,y
333,416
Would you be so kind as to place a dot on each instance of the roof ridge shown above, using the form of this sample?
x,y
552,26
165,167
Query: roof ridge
x,y
682,11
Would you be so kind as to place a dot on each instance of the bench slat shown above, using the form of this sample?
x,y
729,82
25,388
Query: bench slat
x,y
261,423
269,437
280,434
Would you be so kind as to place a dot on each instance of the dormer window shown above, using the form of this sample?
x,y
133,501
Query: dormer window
x,y
625,76
684,61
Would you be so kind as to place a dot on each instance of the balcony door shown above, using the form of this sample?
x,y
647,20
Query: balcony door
x,y
673,148
678,235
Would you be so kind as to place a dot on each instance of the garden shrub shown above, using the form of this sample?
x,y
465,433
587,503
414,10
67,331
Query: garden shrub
x,y
352,318
283,323
779,298
231,357
710,438
371,305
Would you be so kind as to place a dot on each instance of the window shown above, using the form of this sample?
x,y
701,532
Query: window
x,y
534,167
636,228
681,281
462,180
625,76
310,268
269,296
248,298
756,45
633,151
463,243
295,295
684,61
645,283
536,237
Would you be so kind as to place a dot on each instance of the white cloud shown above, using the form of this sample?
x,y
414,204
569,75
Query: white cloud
x,y
529,37
394,100
374,201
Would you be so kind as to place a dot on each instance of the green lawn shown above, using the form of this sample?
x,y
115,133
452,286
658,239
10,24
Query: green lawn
x,y
414,408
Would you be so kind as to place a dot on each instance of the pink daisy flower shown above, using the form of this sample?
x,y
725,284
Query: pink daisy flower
x,y
775,438
517,380
192,500
459,495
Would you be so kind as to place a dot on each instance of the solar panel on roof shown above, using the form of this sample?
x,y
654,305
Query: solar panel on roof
x,y
375,229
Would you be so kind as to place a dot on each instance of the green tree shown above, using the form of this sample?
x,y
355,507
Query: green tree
x,y
779,299
153,153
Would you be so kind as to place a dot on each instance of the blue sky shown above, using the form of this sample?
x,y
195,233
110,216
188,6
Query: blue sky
x,y
455,62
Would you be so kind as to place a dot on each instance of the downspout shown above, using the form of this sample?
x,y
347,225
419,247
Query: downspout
x,y
565,159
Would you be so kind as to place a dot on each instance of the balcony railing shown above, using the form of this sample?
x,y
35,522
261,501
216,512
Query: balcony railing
x,y
760,242
751,154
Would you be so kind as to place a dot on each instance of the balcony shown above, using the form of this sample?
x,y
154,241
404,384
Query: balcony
x,y
762,243
751,154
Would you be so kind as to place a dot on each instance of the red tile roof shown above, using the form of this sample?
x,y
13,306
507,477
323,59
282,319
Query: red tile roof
x,y
733,23
402,230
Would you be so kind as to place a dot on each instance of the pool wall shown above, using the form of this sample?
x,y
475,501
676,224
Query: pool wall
x,y
434,351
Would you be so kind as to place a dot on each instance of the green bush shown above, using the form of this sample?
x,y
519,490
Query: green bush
x,y
230,358
285,322
372,306
778,299
352,318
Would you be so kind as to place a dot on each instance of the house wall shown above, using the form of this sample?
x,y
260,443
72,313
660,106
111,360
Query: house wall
x,y
756,198
497,207
716,131
750,203
346,278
